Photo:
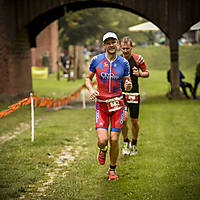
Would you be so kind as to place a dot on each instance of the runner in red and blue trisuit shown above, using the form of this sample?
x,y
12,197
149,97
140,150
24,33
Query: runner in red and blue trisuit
x,y
109,75
110,70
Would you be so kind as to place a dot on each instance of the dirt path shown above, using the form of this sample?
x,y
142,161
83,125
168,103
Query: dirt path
x,y
18,130
66,157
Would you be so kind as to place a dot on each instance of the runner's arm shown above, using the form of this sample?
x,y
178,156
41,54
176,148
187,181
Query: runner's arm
x,y
142,66
144,74
88,83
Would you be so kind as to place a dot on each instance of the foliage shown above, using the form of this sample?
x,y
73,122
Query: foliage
x,y
86,26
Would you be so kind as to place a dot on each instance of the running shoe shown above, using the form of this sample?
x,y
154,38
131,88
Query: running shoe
x,y
125,148
134,150
101,157
112,175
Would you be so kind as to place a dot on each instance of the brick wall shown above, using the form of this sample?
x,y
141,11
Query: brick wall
x,y
47,40
15,62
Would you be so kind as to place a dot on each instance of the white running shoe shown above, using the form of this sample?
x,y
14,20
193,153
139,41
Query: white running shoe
x,y
134,150
125,149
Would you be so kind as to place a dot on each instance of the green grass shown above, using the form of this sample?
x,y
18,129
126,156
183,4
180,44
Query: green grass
x,y
166,167
55,88
159,57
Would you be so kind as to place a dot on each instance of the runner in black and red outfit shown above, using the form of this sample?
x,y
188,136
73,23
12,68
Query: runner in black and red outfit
x,y
138,68
110,69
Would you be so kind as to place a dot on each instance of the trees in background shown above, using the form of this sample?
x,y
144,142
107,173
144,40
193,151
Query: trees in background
x,y
86,26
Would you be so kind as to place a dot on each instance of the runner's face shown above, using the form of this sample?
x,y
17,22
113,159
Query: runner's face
x,y
126,49
111,45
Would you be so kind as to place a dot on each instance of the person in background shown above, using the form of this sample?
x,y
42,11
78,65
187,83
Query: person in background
x,y
138,69
65,63
86,56
183,84
197,80
110,69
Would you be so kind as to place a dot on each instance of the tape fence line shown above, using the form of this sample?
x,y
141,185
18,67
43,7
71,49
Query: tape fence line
x,y
42,101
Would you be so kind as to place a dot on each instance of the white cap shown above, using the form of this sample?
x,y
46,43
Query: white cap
x,y
109,35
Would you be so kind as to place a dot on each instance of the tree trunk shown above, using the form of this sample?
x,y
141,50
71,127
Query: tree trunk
x,y
175,92
75,62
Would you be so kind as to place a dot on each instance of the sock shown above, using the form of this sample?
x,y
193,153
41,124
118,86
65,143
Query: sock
x,y
126,140
113,167
134,142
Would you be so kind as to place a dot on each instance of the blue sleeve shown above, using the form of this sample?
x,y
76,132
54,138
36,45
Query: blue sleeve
x,y
127,68
181,75
93,63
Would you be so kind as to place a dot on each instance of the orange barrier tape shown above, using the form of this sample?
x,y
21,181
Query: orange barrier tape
x,y
15,106
48,102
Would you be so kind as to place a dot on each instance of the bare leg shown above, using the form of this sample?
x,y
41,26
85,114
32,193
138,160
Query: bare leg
x,y
114,147
125,131
135,128
125,127
102,135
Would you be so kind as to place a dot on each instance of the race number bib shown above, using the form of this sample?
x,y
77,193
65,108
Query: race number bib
x,y
115,105
132,97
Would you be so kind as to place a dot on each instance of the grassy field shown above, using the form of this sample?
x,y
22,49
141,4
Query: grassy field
x,y
61,162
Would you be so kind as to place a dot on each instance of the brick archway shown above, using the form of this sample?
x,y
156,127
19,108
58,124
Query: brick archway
x,y
27,18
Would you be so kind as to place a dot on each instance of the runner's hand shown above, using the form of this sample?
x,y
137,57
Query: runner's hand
x,y
135,71
128,85
93,94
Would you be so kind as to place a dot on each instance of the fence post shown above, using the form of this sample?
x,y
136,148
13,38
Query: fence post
x,y
83,98
32,116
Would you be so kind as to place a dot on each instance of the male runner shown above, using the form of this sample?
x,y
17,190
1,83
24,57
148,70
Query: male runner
x,y
110,68
132,97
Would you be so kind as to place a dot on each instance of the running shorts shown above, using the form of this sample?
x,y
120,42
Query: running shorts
x,y
103,117
132,107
